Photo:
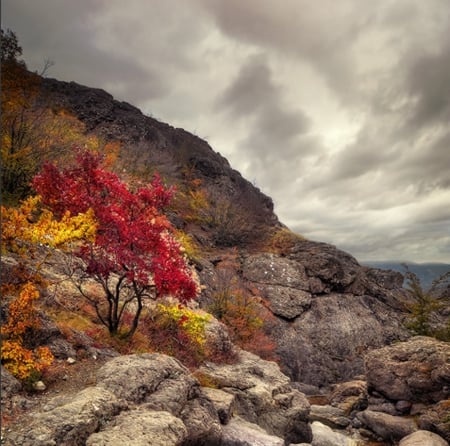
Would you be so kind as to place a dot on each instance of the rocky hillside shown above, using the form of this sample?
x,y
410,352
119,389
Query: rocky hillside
x,y
327,320
325,309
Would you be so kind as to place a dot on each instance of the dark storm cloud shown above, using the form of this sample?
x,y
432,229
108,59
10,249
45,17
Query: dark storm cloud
x,y
429,85
272,127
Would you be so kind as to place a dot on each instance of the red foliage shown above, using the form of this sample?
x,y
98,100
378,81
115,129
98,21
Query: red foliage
x,y
133,244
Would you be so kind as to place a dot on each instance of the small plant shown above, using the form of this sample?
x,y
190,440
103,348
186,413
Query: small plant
x,y
179,331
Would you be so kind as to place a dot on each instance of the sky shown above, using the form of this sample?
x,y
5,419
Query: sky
x,y
337,110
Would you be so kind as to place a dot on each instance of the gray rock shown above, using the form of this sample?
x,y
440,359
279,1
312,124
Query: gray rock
x,y
350,396
326,344
422,438
263,396
223,402
70,423
137,387
286,302
162,383
141,427
271,269
239,432
331,416
436,418
325,436
417,370
9,384
386,426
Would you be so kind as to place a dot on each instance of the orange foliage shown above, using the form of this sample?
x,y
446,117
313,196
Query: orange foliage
x,y
22,319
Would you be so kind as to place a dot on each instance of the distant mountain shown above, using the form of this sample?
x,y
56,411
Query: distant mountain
x,y
426,272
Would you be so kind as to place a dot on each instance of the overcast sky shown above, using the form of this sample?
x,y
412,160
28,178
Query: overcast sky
x,y
337,109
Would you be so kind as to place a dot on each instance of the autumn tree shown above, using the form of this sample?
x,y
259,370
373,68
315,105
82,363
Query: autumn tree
x,y
134,255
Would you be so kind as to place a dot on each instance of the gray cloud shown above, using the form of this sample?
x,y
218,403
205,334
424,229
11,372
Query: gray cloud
x,y
338,110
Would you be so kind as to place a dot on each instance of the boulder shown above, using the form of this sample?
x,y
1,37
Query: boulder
x,y
330,416
69,421
141,427
329,309
239,432
350,396
324,436
387,427
9,384
326,344
263,396
422,438
417,370
436,418
162,383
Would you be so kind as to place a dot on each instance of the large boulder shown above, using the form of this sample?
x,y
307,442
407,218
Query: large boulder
x,y
329,309
417,370
263,396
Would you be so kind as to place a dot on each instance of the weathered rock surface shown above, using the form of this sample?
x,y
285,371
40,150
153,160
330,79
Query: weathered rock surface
x,y
9,384
240,432
69,422
387,427
330,310
263,396
141,427
417,370
136,397
422,438
324,436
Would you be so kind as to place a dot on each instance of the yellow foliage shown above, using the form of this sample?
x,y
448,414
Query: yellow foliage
x,y
22,226
189,321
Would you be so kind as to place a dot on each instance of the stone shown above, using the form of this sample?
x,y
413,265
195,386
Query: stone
x,y
263,396
325,436
223,402
422,438
386,426
330,416
39,386
9,384
417,370
436,418
70,422
270,269
350,396
239,432
286,302
141,427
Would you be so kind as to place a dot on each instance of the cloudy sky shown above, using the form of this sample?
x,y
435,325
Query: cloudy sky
x,y
338,110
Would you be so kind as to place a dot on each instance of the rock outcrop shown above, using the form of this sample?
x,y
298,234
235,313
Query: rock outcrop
x,y
153,399
263,396
329,310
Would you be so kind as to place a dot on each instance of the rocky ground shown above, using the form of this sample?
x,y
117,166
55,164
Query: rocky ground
x,y
153,399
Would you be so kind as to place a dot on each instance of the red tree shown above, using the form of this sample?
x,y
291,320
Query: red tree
x,y
134,255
